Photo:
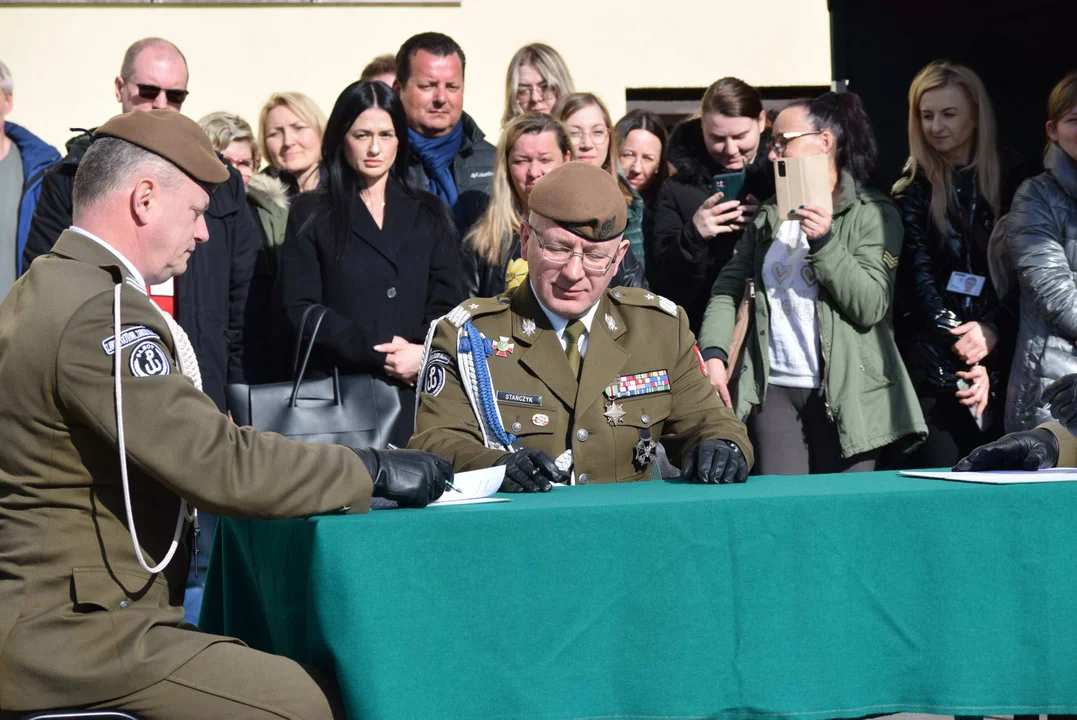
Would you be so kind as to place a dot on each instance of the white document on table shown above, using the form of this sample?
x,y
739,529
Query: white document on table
x,y
472,488
999,477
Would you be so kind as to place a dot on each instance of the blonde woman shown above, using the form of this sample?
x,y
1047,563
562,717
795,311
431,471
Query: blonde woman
x,y
955,332
531,145
537,78
590,130
267,197
290,130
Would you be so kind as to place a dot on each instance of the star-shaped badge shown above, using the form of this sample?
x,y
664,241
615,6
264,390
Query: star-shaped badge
x,y
649,296
615,414
473,306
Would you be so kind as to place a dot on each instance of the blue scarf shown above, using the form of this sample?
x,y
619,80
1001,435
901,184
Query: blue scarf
x,y
437,155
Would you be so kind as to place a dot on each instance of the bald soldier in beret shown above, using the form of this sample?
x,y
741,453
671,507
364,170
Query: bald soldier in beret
x,y
108,443
565,381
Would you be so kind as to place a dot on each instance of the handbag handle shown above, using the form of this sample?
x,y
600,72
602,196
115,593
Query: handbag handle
x,y
298,375
299,335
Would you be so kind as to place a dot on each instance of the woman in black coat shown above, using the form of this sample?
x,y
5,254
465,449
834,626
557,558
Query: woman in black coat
x,y
696,226
382,257
955,331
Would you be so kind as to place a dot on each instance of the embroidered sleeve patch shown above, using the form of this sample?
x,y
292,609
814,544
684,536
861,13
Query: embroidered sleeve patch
x,y
148,359
889,260
434,377
128,338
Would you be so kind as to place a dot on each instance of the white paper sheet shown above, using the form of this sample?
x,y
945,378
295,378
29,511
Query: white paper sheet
x,y
1000,477
471,487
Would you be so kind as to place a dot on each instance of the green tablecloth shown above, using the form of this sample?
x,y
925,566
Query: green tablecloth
x,y
797,597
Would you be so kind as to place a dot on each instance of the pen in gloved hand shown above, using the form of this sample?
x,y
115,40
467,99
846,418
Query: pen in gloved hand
x,y
448,483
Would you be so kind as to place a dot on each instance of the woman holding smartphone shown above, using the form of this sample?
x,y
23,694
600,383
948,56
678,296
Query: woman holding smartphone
x,y
721,174
823,387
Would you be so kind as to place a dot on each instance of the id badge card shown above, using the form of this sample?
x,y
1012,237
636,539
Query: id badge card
x,y
966,284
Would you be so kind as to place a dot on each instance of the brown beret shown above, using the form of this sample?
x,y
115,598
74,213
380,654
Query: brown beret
x,y
174,137
583,199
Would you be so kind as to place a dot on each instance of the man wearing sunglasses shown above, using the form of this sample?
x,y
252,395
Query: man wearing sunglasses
x,y
209,300
564,380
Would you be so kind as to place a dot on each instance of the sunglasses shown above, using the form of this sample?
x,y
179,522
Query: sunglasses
x,y
151,92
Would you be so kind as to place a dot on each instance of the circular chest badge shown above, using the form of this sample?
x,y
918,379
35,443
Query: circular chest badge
x,y
540,419
149,359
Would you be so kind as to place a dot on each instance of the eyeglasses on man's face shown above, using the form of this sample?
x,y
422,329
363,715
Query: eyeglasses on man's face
x,y
151,92
559,254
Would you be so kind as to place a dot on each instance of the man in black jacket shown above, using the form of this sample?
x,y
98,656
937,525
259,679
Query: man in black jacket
x,y
449,156
208,301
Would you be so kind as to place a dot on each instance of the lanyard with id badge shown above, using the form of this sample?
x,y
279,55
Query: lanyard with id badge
x,y
968,284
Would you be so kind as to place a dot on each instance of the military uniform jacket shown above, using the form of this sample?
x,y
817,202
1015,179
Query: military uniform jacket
x,y
80,620
635,338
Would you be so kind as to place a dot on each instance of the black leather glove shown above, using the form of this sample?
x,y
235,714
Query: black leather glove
x,y
1028,450
410,477
1062,395
715,461
529,471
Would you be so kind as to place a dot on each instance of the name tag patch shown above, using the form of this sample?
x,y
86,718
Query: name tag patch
x,y
519,398
647,383
149,359
128,338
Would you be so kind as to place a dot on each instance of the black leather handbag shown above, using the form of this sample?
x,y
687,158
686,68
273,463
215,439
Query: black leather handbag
x,y
361,411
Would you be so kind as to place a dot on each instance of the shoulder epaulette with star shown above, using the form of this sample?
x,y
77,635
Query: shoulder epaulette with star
x,y
642,298
477,307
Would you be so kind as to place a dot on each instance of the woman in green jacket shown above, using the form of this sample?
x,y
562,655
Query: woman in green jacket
x,y
821,382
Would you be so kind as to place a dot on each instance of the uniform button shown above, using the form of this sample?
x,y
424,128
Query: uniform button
x,y
582,435
645,417
124,605
391,292
517,427
582,479
617,293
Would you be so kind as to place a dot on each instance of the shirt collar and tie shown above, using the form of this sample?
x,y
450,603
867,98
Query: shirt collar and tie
x,y
559,324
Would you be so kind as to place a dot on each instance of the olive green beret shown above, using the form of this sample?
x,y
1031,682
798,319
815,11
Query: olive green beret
x,y
583,199
174,137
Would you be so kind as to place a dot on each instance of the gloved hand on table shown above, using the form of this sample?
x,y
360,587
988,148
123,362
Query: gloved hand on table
x,y
1027,450
715,461
410,477
530,471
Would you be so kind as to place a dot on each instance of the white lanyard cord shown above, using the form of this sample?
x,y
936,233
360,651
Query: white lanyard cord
x,y
123,455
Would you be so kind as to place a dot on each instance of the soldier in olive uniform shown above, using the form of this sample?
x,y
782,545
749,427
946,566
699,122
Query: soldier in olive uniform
x,y
563,380
107,438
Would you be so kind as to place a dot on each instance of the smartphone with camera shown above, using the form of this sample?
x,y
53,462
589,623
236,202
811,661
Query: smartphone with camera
x,y
803,181
729,184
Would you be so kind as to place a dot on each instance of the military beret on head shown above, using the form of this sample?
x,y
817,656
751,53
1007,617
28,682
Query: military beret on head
x,y
174,137
583,199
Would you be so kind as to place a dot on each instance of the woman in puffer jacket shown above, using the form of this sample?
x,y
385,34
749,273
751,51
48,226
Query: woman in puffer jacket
x,y
1041,236
955,332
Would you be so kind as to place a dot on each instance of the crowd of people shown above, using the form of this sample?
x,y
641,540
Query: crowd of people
x,y
901,328
905,328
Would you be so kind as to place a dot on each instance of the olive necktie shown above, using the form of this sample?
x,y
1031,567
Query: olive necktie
x,y
575,329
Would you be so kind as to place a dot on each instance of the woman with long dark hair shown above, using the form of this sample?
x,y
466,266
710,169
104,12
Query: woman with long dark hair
x,y
381,256
823,387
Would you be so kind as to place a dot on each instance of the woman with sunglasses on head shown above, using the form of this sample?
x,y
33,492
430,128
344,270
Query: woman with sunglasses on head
x,y
537,78
290,131
823,387
382,257
720,175
590,130
955,332
642,140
